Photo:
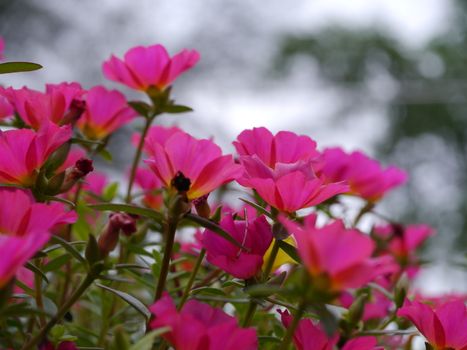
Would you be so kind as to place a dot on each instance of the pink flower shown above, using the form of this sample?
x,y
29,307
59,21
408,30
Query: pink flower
x,y
151,185
273,150
280,169
403,241
156,135
365,176
309,336
6,109
145,67
199,326
254,234
338,258
106,111
25,227
362,343
444,326
196,167
295,191
23,152
55,105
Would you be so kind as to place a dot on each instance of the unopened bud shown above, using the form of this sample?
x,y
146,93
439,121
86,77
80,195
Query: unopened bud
x,y
109,237
202,206
75,111
356,310
81,168
401,289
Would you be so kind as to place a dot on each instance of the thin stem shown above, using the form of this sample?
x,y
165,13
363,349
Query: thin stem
x,y
292,327
187,290
39,299
272,258
87,281
137,158
366,208
267,271
250,313
170,238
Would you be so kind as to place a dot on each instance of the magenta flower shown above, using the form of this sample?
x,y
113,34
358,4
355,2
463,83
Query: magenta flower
x,y
365,176
308,335
196,167
156,135
294,191
55,105
337,257
145,67
362,343
254,234
106,111
403,241
444,327
275,150
151,186
6,109
23,152
199,326
25,227
280,169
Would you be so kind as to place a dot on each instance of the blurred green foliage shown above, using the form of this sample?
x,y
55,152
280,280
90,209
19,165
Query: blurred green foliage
x,y
429,103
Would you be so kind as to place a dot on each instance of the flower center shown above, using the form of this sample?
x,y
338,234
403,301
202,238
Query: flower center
x,y
181,182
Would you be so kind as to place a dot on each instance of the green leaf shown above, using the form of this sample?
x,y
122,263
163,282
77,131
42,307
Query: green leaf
x,y
130,209
16,67
215,228
68,247
262,290
110,191
290,250
131,300
56,263
92,252
207,290
36,270
105,154
146,342
172,109
257,207
142,108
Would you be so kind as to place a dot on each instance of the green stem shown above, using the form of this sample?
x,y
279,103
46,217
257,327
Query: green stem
x,y
170,238
137,158
292,327
267,271
39,299
187,290
250,313
90,277
272,258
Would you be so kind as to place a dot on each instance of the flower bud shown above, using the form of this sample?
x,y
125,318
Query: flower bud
x,y
109,237
81,168
202,206
400,290
77,108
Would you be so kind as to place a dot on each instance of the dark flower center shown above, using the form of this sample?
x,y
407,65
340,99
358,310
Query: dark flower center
x,y
181,182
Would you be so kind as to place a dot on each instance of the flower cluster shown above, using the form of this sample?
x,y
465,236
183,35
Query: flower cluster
x,y
201,249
